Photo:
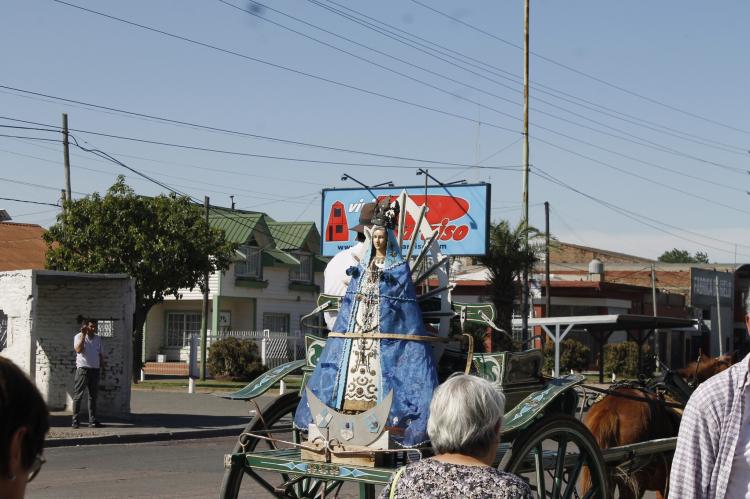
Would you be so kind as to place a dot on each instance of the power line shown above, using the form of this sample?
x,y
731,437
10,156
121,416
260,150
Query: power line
x,y
581,73
288,69
28,201
501,73
224,130
40,186
267,156
640,140
652,181
219,211
187,165
637,217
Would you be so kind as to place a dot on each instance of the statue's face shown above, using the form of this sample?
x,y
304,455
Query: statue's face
x,y
379,240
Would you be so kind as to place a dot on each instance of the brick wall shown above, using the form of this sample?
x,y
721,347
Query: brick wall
x,y
17,303
49,303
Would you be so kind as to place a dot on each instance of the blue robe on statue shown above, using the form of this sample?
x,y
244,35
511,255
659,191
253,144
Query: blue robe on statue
x,y
406,367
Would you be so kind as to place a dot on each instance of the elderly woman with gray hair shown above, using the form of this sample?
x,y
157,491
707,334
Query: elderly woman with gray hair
x,y
464,427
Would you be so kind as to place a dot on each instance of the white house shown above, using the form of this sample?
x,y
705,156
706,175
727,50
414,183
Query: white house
x,y
274,280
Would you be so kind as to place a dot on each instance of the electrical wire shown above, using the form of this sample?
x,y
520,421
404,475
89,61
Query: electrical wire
x,y
28,201
637,217
232,132
581,73
639,140
483,65
287,68
652,181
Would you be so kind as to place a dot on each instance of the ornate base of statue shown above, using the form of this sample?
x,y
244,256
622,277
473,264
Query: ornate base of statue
x,y
347,438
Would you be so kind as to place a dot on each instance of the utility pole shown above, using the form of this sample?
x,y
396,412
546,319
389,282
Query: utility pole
x,y
718,315
204,315
66,155
548,297
656,330
525,296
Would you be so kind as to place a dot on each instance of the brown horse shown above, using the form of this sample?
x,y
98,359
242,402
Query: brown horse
x,y
617,419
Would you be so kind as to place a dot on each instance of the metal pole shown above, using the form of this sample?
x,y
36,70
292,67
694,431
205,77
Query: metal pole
x,y
525,200
656,330
204,315
718,317
548,297
66,155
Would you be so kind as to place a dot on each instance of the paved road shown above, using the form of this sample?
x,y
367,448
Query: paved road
x,y
183,468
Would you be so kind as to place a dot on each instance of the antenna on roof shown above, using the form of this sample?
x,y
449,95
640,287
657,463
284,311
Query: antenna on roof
x,y
232,198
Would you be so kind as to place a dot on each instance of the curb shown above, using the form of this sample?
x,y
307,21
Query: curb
x,y
135,438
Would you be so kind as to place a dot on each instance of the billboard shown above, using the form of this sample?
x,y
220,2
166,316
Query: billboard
x,y
703,288
460,212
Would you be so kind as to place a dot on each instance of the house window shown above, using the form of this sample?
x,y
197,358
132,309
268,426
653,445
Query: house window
x,y
304,272
277,323
251,265
181,326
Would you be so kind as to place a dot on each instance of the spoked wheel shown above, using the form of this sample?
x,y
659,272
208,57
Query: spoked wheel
x,y
557,456
275,422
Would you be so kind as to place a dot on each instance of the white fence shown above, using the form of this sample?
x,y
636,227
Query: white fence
x,y
275,348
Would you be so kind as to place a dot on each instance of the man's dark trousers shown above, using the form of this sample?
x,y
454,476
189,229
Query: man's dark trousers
x,y
86,379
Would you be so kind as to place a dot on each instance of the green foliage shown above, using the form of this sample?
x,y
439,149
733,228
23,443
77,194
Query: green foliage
x,y
683,256
574,355
234,358
164,242
506,259
622,359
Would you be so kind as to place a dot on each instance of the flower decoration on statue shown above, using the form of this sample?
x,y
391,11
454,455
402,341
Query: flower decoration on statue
x,y
386,214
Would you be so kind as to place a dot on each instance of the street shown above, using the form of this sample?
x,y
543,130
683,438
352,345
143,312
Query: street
x,y
183,468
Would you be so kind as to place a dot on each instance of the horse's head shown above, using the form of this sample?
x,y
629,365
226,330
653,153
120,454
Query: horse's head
x,y
700,370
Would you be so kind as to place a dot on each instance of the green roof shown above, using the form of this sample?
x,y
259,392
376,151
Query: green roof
x,y
237,225
281,257
290,235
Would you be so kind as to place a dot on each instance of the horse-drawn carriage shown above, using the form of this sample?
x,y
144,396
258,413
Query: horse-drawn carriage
x,y
543,440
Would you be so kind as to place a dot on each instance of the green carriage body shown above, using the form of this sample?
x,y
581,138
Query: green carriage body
x,y
531,398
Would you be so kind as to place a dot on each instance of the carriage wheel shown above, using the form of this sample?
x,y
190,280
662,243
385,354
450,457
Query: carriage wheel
x,y
551,455
276,422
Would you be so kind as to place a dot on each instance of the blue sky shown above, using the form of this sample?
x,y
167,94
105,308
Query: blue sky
x,y
682,56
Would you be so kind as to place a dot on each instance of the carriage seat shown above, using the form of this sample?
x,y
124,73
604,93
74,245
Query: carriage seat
x,y
510,368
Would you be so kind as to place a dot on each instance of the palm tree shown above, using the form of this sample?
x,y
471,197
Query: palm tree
x,y
506,259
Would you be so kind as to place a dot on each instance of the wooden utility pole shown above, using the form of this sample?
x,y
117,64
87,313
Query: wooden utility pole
x,y
656,313
525,200
66,155
548,296
204,315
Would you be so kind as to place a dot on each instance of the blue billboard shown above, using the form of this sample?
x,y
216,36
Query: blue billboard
x,y
459,212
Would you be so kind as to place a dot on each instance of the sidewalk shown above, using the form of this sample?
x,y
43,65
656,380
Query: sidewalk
x,y
160,415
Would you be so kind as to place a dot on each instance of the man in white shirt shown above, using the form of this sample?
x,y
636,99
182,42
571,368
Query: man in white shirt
x,y
335,279
712,458
89,360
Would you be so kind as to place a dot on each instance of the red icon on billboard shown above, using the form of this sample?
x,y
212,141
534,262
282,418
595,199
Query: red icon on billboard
x,y
337,228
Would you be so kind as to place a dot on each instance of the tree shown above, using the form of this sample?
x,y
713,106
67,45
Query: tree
x,y
683,256
505,261
163,242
